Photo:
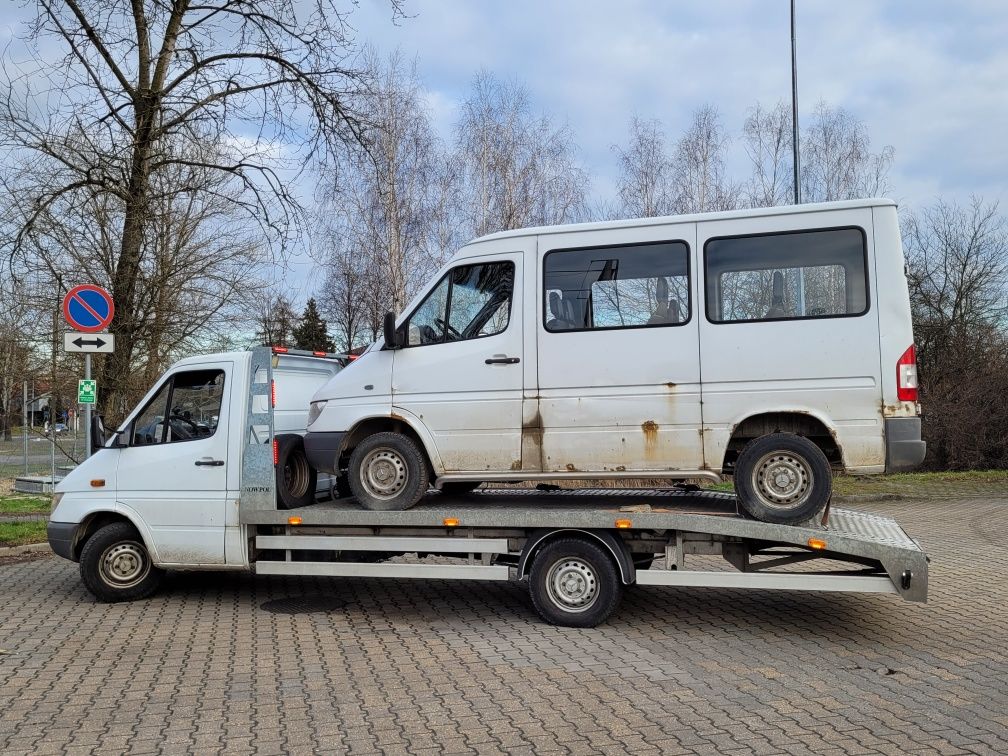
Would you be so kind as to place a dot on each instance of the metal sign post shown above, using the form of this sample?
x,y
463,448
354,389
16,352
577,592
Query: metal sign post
x,y
87,408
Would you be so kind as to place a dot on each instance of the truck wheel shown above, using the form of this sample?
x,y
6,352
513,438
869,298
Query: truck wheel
x,y
116,566
574,583
459,487
783,478
388,472
295,478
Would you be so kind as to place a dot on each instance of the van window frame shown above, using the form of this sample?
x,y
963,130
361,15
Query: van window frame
x,y
788,232
623,245
404,328
170,382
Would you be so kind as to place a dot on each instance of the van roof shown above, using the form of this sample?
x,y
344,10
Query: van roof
x,y
661,220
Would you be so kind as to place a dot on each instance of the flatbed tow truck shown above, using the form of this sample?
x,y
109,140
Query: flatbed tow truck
x,y
576,548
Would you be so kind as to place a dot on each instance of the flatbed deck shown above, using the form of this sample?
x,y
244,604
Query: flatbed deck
x,y
847,535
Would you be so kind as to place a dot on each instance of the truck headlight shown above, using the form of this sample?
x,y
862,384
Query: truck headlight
x,y
314,411
55,501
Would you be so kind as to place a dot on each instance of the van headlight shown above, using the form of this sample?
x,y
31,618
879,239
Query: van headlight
x,y
314,411
55,501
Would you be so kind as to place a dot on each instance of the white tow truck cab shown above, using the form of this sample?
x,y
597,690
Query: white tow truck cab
x,y
774,345
577,379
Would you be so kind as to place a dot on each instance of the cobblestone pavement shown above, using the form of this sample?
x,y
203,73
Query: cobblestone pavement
x,y
436,667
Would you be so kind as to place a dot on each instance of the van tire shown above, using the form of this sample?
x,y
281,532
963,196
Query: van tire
x,y
592,575
783,478
388,472
296,479
115,565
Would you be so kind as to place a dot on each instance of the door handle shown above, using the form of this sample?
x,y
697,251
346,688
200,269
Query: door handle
x,y
209,462
502,360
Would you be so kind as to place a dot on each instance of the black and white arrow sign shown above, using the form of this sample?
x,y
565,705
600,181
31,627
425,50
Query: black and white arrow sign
x,y
89,342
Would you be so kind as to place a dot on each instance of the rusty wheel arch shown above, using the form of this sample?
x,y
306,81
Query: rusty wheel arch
x,y
373,425
785,421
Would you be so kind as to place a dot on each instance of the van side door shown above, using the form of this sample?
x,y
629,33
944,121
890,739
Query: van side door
x,y
619,372
172,475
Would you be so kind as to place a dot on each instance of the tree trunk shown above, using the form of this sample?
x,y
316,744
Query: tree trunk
x,y
116,370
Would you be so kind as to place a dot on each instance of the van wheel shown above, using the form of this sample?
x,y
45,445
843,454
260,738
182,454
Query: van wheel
x,y
574,583
783,478
388,472
295,478
458,487
116,566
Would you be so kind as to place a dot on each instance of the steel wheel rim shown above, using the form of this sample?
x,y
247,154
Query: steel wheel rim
x,y
572,585
296,474
124,564
384,473
783,480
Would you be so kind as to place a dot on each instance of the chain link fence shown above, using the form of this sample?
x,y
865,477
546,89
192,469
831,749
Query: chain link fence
x,y
40,454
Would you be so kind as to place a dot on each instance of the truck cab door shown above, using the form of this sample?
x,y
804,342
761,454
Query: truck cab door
x,y
172,475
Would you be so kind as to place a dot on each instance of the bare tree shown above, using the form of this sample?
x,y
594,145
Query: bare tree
x,y
768,140
142,84
345,303
516,167
276,320
958,275
700,182
836,158
646,177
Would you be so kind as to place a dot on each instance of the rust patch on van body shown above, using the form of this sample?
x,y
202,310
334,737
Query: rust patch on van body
x,y
670,385
571,468
650,428
531,445
516,465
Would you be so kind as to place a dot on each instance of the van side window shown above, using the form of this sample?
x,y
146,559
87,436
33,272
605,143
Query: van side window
x,y
628,286
187,407
469,302
786,276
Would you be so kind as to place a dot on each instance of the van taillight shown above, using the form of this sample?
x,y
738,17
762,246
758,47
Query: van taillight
x,y
906,376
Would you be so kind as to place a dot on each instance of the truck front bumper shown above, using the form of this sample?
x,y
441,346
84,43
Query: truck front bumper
x,y
61,537
904,448
323,450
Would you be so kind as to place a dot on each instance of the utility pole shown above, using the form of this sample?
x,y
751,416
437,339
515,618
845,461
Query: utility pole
x,y
794,108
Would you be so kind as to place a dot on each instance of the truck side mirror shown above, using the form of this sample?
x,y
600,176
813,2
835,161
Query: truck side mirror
x,y
391,340
99,436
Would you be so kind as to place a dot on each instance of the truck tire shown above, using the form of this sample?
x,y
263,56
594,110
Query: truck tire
x,y
574,583
783,478
116,566
460,487
296,480
388,472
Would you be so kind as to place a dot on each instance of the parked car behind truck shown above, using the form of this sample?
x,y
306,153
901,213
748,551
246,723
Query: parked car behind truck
x,y
774,345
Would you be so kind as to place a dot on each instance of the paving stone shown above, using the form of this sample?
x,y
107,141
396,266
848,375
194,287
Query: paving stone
x,y
443,667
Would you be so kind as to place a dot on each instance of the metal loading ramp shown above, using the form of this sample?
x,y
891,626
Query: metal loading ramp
x,y
492,532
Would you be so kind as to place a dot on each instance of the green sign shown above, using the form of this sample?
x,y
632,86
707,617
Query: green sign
x,y
86,391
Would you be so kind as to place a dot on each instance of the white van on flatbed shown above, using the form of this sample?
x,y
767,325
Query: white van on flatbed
x,y
774,345
224,485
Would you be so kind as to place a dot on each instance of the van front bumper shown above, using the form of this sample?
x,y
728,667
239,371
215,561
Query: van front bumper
x,y
323,450
904,448
61,537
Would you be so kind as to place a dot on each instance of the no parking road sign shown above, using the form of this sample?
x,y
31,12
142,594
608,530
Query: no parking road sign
x,y
88,308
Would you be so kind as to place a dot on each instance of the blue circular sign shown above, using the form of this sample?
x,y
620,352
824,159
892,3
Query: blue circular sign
x,y
88,308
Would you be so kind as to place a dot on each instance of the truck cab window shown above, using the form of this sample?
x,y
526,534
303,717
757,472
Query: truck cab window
x,y
470,302
187,407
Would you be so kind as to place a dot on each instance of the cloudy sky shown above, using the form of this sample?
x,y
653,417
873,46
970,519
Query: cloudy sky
x,y
928,77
